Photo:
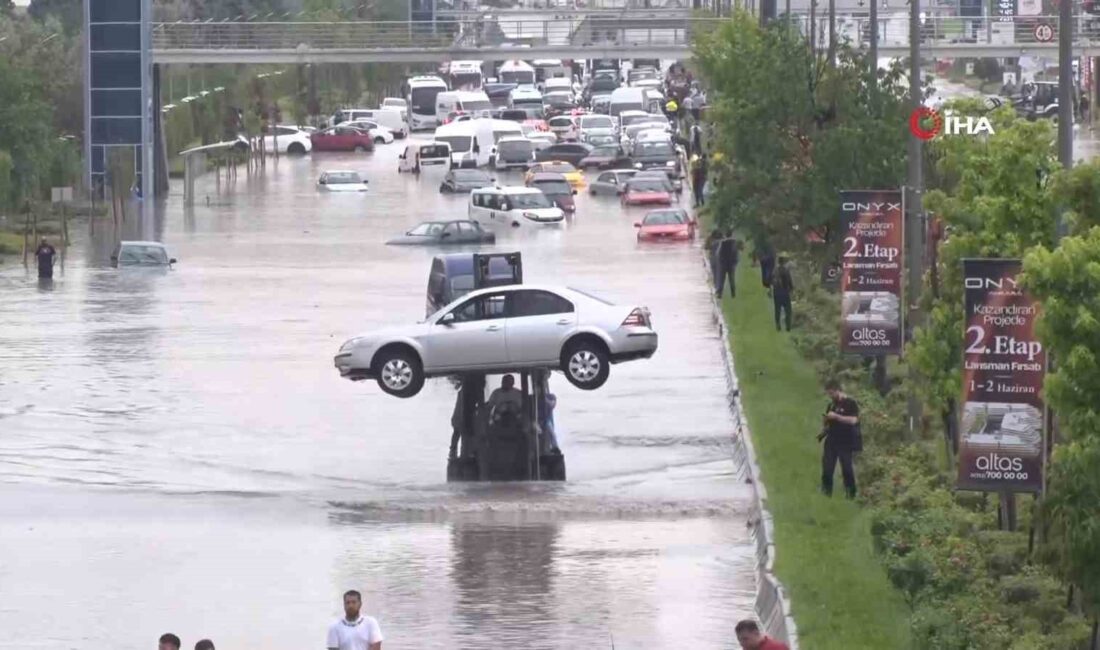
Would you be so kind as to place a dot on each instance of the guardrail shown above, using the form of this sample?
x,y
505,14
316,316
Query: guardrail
x,y
772,605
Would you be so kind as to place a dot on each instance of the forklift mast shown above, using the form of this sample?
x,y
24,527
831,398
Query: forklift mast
x,y
484,275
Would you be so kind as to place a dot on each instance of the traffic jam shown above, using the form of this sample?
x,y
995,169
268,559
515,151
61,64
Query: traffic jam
x,y
517,142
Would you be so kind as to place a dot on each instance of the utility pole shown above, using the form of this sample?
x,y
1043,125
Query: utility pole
x,y
874,44
914,217
832,32
1065,89
813,28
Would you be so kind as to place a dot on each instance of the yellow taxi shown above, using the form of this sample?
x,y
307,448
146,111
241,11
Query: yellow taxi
x,y
571,173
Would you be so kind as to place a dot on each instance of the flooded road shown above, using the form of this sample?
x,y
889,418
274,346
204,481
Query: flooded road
x,y
177,452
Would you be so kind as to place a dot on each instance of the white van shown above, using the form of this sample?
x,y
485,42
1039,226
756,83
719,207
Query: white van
x,y
475,103
391,118
514,152
627,99
516,72
471,142
525,98
424,154
557,84
504,128
510,205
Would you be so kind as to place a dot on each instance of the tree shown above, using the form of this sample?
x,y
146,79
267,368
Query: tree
x,y
1066,281
70,13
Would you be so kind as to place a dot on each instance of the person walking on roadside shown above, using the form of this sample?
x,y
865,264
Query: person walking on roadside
x,y
46,254
841,436
728,256
168,641
751,638
766,255
354,631
781,287
698,179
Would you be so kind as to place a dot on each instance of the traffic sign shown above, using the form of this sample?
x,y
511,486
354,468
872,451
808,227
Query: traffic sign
x,y
1044,33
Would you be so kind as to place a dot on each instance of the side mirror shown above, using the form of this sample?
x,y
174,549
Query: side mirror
x,y
448,319
114,258
637,224
321,182
444,236
172,261
574,192
402,156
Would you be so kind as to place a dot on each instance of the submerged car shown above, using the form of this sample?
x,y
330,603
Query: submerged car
x,y
465,180
603,157
556,188
647,191
571,173
666,225
611,182
441,233
342,138
141,253
507,328
342,181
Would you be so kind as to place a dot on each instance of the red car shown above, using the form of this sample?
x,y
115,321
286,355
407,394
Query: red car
x,y
342,138
666,225
647,191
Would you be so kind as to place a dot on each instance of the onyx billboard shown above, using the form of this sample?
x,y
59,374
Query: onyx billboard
x,y
872,222
1002,420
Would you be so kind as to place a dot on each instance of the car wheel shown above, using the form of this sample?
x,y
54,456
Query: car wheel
x,y
586,364
296,149
360,149
399,372
379,140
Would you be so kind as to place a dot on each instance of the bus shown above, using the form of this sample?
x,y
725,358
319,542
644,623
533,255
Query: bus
x,y
420,93
516,72
465,75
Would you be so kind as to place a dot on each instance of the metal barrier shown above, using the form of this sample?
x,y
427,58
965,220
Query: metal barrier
x,y
772,606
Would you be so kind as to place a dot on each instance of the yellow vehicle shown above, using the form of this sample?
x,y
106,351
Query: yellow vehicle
x,y
571,173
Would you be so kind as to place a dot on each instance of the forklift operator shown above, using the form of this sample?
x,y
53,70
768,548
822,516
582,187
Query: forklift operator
x,y
504,400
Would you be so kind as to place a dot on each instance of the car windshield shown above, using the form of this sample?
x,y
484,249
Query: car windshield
x,y
139,254
434,151
664,219
646,185
339,178
457,142
427,229
553,187
559,167
529,201
559,99
471,176
608,152
561,122
653,149
597,122
516,147
477,105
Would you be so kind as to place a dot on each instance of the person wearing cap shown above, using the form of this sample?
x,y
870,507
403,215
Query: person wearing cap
x,y
46,255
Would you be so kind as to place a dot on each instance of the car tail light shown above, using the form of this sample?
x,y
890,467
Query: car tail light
x,y
637,318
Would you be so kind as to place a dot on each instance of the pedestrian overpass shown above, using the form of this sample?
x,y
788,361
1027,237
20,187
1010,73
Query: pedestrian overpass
x,y
660,34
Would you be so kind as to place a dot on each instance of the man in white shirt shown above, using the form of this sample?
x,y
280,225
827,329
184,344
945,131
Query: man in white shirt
x,y
354,632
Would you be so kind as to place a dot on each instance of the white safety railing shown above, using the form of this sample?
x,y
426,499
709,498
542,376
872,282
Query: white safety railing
x,y
772,606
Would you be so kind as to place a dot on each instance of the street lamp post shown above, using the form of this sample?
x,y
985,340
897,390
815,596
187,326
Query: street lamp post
x,y
915,230
1065,87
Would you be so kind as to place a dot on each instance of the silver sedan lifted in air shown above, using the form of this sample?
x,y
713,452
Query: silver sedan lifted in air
x,y
504,329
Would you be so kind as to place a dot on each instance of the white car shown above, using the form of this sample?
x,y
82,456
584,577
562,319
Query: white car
x,y
288,139
397,104
379,133
504,329
340,180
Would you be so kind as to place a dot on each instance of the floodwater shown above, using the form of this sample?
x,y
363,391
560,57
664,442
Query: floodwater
x,y
177,452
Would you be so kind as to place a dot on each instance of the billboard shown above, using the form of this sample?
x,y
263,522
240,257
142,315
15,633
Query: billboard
x,y
870,271
1002,424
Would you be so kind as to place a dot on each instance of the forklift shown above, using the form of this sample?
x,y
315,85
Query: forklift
x,y
508,444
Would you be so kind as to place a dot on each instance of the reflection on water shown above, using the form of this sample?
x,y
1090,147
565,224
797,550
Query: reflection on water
x,y
193,387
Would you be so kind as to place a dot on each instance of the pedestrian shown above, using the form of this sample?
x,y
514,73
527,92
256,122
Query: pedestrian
x,y
46,255
766,255
841,436
697,138
354,631
698,179
751,638
728,256
168,641
205,644
458,422
781,287
710,244
546,422
505,400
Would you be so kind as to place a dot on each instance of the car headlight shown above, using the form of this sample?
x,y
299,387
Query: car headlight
x,y
671,163
531,215
352,343
637,165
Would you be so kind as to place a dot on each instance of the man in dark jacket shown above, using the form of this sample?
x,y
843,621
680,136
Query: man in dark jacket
x,y
46,255
841,436
728,256
699,180
781,286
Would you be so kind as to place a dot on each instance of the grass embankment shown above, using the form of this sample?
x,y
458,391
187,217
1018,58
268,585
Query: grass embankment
x,y
842,599
10,243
